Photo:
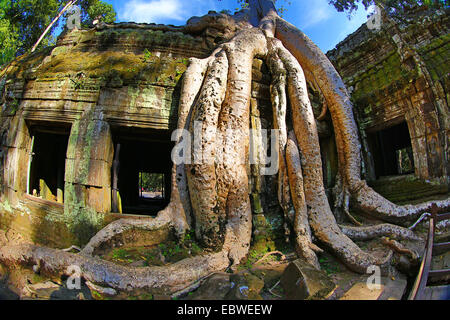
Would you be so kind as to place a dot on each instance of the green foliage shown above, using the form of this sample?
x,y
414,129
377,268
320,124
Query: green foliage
x,y
152,181
97,9
122,255
147,55
328,265
22,22
280,7
8,36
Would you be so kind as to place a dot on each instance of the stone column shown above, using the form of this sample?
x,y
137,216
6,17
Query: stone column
x,y
88,165
17,156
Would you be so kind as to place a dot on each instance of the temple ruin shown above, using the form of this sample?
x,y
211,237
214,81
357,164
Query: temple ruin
x,y
82,120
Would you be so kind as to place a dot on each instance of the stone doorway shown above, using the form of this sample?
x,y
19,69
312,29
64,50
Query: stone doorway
x,y
392,151
141,171
47,164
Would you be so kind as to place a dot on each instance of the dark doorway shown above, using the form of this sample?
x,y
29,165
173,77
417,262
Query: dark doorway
x,y
392,151
141,171
48,162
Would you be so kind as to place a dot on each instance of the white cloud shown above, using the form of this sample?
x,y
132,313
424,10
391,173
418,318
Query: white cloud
x,y
165,11
316,12
152,10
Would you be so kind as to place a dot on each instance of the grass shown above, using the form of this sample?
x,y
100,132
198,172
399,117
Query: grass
x,y
160,255
328,265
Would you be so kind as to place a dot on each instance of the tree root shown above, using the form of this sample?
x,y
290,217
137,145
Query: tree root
x,y
120,226
321,218
157,280
399,248
371,203
283,257
273,288
301,223
72,248
161,280
377,231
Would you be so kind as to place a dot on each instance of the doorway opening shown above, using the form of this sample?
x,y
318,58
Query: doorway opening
x,y
392,151
141,171
47,164
152,185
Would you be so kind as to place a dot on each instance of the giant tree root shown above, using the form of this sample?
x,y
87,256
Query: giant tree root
x,y
120,226
157,280
399,248
378,231
162,280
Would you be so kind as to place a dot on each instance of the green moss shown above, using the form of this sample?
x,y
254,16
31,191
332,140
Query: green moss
x,y
407,188
435,44
6,206
257,205
379,77
329,265
83,222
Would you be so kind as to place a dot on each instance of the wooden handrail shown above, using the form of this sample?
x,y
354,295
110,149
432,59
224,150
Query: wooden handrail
x,y
422,278
431,249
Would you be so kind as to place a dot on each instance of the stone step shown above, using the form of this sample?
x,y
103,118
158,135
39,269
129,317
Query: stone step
x,y
389,289
405,188
437,293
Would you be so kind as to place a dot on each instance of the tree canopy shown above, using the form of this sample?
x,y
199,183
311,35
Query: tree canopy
x,y
23,21
279,3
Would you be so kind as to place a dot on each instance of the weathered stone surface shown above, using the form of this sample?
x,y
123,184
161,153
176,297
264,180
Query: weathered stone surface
x,y
390,288
437,293
7,294
214,288
245,286
360,291
240,286
302,281
399,74
395,287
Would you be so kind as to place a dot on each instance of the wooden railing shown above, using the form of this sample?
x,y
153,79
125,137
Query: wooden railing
x,y
431,249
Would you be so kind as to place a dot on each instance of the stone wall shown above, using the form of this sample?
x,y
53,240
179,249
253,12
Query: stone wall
x,y
401,73
91,81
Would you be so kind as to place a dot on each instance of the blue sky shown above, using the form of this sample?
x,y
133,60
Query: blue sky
x,y
320,21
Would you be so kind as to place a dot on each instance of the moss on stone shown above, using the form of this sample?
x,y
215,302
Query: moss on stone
x,y
81,220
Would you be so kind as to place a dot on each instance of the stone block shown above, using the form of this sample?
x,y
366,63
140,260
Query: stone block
x,y
99,199
95,173
215,287
91,140
361,291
